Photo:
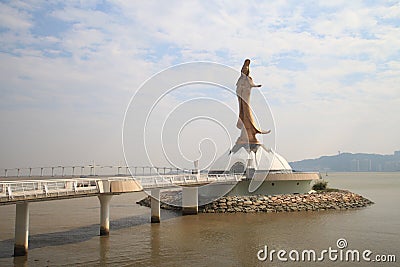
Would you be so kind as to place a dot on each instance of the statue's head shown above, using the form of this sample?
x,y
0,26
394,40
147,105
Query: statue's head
x,y
245,68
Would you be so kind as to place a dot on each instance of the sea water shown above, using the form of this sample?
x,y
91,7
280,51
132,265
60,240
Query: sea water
x,y
65,232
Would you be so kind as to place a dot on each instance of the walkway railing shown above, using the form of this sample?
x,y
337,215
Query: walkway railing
x,y
58,188
31,189
184,179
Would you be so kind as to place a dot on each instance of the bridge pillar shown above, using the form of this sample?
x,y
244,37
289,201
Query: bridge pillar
x,y
190,200
21,229
155,205
105,214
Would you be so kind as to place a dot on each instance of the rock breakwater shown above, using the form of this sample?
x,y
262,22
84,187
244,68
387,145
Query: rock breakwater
x,y
318,201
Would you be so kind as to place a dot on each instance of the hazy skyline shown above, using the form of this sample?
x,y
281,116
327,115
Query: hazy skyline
x,y
330,71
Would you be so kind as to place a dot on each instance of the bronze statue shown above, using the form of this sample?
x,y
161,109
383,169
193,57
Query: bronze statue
x,y
246,121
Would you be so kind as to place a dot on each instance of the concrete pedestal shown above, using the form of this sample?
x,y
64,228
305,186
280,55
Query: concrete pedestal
x,y
155,205
21,229
190,200
105,214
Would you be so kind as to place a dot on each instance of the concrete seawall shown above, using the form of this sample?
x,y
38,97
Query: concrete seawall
x,y
318,201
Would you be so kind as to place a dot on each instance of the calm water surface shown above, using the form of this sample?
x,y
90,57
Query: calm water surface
x,y
65,232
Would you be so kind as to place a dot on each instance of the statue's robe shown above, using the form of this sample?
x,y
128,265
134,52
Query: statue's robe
x,y
246,121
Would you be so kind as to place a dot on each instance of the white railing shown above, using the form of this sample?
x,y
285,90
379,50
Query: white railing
x,y
49,188
184,179
31,189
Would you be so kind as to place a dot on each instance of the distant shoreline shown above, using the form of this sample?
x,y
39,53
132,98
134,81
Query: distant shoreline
x,y
350,162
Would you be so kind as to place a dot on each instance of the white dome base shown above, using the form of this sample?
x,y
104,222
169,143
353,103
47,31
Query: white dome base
x,y
254,156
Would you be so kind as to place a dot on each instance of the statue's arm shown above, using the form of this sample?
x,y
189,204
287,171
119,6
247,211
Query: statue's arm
x,y
252,83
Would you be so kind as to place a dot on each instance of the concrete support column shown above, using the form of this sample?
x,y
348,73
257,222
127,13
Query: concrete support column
x,y
190,200
250,169
155,205
105,214
21,229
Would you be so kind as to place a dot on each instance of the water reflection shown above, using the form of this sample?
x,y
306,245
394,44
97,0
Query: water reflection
x,y
155,243
104,248
21,261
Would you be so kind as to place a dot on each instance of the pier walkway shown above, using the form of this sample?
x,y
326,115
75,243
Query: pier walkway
x,y
24,187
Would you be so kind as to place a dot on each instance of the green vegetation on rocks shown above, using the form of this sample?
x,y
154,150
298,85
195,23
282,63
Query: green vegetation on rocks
x,y
320,185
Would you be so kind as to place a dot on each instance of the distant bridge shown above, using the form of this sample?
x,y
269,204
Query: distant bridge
x,y
88,170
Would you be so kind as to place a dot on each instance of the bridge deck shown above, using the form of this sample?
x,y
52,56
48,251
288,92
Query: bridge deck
x,y
14,191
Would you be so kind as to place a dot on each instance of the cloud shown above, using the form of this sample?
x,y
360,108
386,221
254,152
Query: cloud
x,y
332,65
14,19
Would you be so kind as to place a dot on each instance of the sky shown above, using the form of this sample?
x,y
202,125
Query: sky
x,y
330,71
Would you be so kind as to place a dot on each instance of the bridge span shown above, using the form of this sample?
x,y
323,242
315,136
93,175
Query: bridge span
x,y
23,189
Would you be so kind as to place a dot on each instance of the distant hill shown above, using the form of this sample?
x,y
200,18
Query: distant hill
x,y
349,162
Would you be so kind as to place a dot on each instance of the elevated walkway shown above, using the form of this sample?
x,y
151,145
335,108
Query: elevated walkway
x,y
16,190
